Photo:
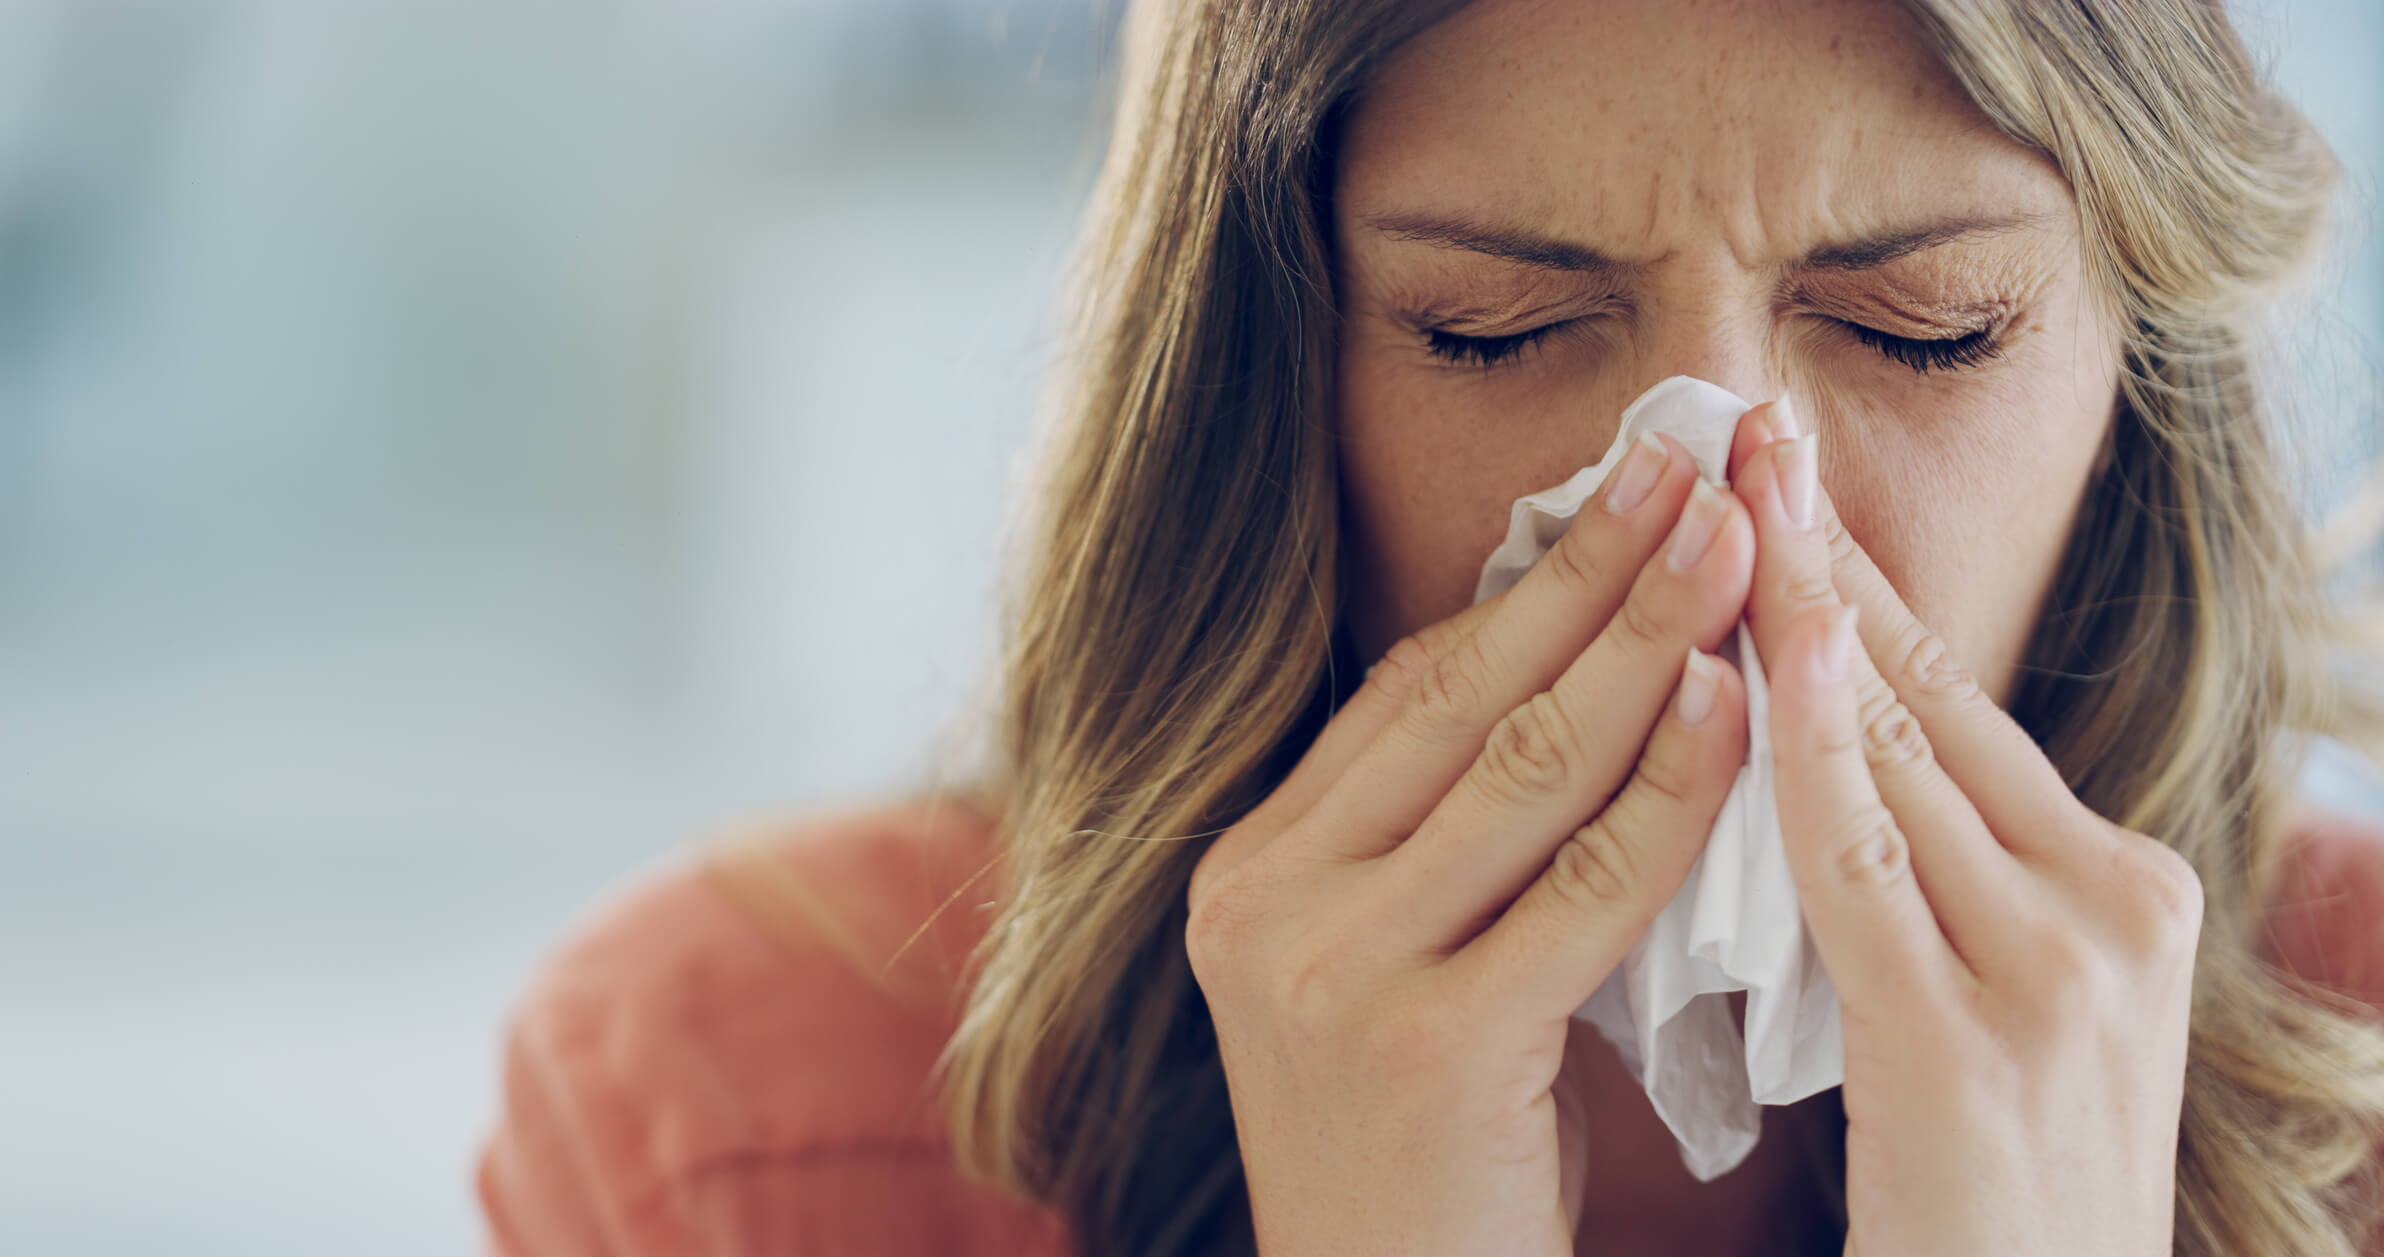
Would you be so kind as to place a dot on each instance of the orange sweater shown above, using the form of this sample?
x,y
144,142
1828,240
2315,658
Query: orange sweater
x,y
685,1079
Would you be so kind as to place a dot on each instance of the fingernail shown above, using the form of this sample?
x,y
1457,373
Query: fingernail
x,y
1837,645
1782,419
1792,463
1693,534
1698,677
1637,474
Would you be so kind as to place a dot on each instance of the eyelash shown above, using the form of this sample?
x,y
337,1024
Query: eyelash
x,y
1946,354
1952,353
1482,351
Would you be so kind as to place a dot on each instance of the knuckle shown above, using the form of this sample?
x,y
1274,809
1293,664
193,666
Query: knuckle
x,y
1869,849
1310,984
1214,926
2164,899
1443,688
1841,542
1811,586
1199,890
1834,741
1405,664
1203,953
2068,974
1227,852
1529,753
1595,870
1929,667
1453,684
1891,734
1576,563
1302,983
1637,626
1233,916
1665,777
2063,955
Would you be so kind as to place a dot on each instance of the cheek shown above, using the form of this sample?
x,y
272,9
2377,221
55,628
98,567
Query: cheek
x,y
1965,501
1961,487
1427,480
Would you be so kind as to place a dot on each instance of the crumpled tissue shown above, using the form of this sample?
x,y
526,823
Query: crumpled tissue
x,y
1735,924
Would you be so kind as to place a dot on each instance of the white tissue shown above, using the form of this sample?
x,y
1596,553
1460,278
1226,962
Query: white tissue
x,y
1735,924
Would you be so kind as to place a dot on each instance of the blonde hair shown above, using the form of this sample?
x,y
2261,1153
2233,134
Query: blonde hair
x,y
1172,642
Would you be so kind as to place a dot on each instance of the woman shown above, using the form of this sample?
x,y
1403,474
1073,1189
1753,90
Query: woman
x,y
1264,929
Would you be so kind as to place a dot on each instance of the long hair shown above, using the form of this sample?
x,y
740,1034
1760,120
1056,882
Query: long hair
x,y
1172,640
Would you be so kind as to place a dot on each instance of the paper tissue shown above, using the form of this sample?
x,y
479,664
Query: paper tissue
x,y
1735,924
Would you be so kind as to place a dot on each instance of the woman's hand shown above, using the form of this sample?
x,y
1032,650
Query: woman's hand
x,y
2014,970
1393,942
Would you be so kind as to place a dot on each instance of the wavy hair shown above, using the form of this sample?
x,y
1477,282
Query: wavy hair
x,y
1171,641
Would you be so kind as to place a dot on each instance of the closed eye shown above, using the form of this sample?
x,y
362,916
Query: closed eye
x,y
1946,354
1921,354
1482,351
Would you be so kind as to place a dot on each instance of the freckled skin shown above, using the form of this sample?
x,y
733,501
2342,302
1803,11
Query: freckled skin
x,y
1715,143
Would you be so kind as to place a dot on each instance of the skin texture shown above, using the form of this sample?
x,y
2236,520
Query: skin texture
x,y
1391,943
1709,146
1713,144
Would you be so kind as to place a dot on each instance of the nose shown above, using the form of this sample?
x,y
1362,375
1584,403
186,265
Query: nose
x,y
1725,345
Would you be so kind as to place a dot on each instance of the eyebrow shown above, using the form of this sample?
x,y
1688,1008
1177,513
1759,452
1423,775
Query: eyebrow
x,y
1521,247
1879,250
1543,253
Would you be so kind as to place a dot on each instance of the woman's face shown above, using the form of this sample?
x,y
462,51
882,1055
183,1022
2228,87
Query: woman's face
x,y
1753,193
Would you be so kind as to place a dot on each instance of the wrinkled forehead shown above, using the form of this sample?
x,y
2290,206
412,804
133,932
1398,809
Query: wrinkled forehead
x,y
1645,123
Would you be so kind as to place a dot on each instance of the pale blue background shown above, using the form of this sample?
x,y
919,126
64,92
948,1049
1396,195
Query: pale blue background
x,y
452,457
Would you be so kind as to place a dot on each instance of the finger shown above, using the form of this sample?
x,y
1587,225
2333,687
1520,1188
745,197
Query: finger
x,y
1874,932
1989,757
1538,628
1971,881
1378,698
1771,421
1554,760
1605,882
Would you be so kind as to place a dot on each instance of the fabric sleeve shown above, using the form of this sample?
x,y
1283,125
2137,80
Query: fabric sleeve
x,y
2327,926
892,1200
679,1080
564,1171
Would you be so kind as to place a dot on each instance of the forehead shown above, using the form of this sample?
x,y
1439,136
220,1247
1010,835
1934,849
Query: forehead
x,y
1648,123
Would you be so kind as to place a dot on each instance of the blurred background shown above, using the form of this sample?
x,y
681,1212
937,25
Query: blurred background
x,y
453,457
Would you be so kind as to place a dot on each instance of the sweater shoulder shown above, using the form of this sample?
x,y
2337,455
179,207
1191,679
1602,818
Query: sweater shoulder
x,y
2326,923
762,1013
